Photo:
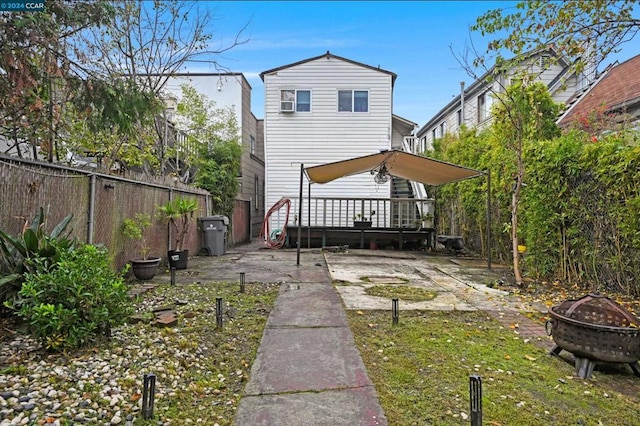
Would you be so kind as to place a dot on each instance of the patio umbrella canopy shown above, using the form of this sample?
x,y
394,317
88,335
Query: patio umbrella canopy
x,y
396,163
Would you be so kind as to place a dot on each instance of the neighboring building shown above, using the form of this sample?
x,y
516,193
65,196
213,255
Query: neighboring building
x,y
326,109
614,95
472,107
233,90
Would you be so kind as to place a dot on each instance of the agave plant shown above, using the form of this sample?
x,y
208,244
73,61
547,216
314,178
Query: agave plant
x,y
18,252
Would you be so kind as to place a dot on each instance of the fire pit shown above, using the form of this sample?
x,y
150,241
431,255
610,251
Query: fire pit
x,y
595,329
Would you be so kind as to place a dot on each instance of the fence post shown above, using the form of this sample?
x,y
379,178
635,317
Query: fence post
x,y
92,208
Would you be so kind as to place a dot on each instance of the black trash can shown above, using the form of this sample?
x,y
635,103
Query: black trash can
x,y
214,235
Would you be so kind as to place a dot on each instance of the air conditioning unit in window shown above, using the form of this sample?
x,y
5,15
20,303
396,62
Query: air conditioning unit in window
x,y
286,106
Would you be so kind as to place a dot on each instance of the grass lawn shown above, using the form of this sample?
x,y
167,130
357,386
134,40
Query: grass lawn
x,y
421,370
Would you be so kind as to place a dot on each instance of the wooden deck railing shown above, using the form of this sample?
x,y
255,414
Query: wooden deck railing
x,y
343,212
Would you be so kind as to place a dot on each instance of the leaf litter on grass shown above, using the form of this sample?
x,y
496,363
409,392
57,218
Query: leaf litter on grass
x,y
421,370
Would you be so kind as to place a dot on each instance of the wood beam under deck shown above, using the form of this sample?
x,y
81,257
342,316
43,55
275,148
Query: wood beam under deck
x,y
323,236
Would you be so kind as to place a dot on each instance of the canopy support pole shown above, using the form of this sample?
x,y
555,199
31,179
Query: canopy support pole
x,y
488,219
309,216
300,216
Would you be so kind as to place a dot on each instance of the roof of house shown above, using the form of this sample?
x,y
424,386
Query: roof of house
x,y
210,74
482,82
617,88
330,55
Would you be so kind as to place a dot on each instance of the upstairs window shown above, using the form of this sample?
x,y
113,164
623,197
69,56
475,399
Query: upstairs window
x,y
484,106
252,145
353,101
295,100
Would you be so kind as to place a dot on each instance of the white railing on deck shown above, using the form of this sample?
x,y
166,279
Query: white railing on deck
x,y
343,212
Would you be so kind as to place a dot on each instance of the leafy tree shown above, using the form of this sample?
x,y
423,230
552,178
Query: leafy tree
x,y
525,113
216,150
583,31
146,44
40,72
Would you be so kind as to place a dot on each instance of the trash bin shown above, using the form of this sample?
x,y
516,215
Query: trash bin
x,y
214,235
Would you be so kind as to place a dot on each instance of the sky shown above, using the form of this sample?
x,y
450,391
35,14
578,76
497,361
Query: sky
x,y
414,39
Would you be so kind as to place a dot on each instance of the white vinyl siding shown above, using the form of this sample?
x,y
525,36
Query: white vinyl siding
x,y
325,135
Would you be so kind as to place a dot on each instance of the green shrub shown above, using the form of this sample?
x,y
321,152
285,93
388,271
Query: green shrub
x,y
17,252
79,300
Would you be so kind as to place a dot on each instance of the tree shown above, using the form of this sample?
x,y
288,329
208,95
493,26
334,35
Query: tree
x,y
582,32
39,71
585,32
216,150
148,43
526,113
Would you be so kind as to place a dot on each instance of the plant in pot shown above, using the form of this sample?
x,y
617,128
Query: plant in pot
x,y
179,215
361,221
137,229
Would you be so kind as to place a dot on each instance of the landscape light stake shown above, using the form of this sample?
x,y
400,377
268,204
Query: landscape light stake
x,y
394,311
173,276
241,282
475,395
148,395
219,313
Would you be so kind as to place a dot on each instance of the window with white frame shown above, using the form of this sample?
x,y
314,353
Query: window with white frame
x,y
353,101
459,117
295,100
252,146
545,62
443,128
484,106
434,134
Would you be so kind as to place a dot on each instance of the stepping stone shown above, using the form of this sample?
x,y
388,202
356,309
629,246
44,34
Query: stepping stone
x,y
166,318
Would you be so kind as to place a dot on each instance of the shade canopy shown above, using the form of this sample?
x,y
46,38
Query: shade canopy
x,y
396,163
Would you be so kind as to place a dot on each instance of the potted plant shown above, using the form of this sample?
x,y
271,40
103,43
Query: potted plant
x,y
361,221
179,215
425,220
137,228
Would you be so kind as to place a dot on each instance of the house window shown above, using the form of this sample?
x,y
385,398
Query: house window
x,y
443,128
353,101
545,62
459,117
434,134
252,146
256,193
295,100
484,106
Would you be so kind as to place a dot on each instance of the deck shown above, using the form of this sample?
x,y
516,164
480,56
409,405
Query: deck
x,y
401,223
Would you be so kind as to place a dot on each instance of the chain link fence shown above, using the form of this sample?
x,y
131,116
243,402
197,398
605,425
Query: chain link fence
x,y
99,204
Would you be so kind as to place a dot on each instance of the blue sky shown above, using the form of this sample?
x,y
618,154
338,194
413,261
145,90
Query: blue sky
x,y
413,39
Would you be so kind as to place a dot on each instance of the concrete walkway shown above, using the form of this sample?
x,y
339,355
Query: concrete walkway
x,y
308,370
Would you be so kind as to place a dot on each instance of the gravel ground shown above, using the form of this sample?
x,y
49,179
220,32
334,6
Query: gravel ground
x,y
198,381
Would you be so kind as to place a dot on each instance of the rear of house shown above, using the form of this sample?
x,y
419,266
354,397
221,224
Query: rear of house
x,y
320,110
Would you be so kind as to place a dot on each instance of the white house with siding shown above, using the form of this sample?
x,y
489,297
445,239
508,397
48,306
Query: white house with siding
x,y
326,109
472,107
